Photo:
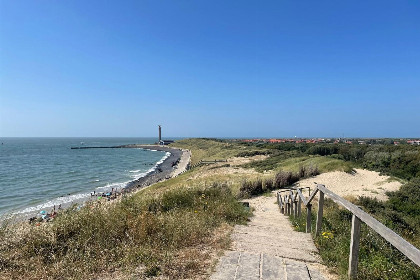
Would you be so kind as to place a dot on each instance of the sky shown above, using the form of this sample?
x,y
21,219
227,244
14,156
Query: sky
x,y
210,68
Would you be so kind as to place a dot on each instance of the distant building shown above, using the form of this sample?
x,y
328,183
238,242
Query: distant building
x,y
163,142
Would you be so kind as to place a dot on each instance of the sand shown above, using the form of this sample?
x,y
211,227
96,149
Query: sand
x,y
164,170
362,183
232,166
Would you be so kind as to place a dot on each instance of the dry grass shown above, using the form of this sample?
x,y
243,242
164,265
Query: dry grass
x,y
161,233
280,180
207,149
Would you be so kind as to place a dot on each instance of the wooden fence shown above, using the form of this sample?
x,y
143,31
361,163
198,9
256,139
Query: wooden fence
x,y
203,162
290,202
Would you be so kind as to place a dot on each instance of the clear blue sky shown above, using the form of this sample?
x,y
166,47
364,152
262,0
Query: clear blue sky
x,y
210,68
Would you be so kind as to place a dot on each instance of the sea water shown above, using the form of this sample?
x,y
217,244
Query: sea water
x,y
38,173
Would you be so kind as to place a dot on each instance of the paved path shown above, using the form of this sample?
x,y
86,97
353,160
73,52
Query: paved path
x,y
269,248
183,163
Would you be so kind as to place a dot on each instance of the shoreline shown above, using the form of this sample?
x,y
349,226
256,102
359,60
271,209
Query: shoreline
x,y
162,171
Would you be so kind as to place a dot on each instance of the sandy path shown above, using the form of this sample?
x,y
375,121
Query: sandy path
x,y
184,161
362,183
268,248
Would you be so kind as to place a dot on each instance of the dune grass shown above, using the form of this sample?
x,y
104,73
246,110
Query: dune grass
x,y
293,161
210,149
169,234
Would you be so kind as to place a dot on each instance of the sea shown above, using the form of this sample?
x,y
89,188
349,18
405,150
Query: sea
x,y
37,174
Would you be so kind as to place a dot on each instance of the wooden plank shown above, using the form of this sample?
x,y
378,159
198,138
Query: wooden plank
x,y
312,196
302,197
354,247
320,213
299,206
308,218
291,206
402,245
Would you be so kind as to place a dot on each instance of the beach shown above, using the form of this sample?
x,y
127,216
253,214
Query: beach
x,y
173,165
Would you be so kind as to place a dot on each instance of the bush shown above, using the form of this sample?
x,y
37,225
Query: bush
x,y
281,179
251,188
377,258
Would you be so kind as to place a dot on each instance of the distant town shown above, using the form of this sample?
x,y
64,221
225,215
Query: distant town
x,y
389,141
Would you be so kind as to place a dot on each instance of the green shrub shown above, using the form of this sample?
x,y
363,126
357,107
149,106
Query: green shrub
x,y
377,258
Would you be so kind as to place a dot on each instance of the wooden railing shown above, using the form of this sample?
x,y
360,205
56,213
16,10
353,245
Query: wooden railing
x,y
290,202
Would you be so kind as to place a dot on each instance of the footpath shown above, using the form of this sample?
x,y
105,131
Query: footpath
x,y
268,248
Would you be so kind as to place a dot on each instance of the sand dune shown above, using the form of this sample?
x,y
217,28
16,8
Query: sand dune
x,y
363,183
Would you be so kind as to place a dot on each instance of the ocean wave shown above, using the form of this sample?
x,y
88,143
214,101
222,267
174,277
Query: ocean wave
x,y
83,196
56,202
167,154
109,186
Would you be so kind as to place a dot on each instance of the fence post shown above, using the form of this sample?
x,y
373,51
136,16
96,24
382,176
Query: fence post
x,y
299,206
291,205
354,247
296,208
308,218
320,212
281,204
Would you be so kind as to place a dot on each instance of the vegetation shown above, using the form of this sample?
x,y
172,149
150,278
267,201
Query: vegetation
x,y
172,228
401,212
281,179
211,149
293,160
402,161
378,259
162,234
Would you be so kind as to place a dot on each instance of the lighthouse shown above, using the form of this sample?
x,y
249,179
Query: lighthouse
x,y
163,142
160,133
